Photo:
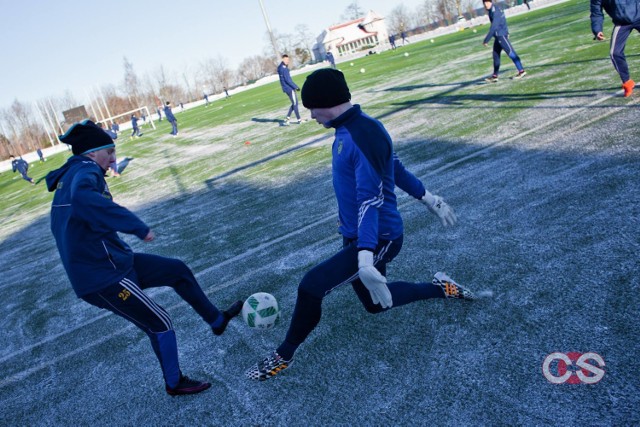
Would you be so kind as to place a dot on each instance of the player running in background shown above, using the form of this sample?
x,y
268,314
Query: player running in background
x,y
289,87
21,166
134,126
500,33
365,173
102,268
625,15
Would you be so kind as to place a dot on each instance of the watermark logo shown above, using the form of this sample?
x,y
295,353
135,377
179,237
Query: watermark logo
x,y
573,368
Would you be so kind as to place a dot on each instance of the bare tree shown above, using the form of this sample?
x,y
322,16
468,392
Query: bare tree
x,y
131,83
400,19
444,9
352,11
426,13
304,40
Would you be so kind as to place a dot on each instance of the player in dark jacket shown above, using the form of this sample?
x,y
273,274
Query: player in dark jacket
x,y
168,114
134,126
288,87
365,173
625,15
21,166
102,268
500,33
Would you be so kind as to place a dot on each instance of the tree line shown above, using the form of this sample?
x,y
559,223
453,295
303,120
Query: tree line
x,y
25,127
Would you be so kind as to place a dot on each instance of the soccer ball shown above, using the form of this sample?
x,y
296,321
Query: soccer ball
x,y
261,311
432,40
362,70
406,54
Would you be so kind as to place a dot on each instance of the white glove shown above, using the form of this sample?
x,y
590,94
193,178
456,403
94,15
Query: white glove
x,y
373,280
440,208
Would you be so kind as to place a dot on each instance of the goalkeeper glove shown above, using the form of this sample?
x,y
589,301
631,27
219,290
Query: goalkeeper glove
x,y
375,282
440,208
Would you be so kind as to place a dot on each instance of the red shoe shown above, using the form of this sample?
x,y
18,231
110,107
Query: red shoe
x,y
628,87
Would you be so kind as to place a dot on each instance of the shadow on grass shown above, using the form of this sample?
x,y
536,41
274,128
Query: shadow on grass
x,y
525,215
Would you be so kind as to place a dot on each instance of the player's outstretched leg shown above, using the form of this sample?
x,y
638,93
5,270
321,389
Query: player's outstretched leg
x,y
452,289
219,325
268,367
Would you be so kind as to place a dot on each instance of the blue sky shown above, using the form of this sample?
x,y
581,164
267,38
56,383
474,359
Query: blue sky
x,y
50,47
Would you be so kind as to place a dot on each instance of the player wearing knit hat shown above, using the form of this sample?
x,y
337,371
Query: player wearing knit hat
x,y
365,172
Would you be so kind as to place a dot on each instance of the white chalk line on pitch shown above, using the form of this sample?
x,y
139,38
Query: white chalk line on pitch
x,y
22,374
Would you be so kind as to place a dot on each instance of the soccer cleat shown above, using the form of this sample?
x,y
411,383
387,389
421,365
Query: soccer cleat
x,y
520,75
450,288
627,87
492,79
227,315
187,386
269,367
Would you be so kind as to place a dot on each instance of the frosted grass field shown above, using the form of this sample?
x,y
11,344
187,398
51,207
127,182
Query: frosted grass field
x,y
543,174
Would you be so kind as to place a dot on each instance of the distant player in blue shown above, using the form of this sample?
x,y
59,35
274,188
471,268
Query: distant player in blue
x,y
115,127
134,126
159,111
40,155
102,268
329,57
365,173
625,15
392,41
171,118
206,100
500,33
20,165
403,35
289,88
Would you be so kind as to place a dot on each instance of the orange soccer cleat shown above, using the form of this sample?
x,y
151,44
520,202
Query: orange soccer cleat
x,y
628,87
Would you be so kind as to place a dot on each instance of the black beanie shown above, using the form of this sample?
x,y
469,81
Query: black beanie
x,y
85,137
325,88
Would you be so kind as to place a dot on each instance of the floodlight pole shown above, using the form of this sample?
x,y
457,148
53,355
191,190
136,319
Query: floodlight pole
x,y
273,39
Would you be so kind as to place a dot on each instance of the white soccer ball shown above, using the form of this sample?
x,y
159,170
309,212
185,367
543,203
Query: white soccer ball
x,y
362,70
261,311
351,64
406,54
432,40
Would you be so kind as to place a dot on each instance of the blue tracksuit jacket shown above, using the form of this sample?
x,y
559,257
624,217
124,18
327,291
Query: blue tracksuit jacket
x,y
85,222
364,179
168,114
20,165
498,24
622,12
286,82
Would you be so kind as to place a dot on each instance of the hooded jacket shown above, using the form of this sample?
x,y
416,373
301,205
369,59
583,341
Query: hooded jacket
x,y
85,222
622,12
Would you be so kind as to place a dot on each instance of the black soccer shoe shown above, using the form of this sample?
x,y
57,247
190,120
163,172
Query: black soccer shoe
x,y
227,315
187,386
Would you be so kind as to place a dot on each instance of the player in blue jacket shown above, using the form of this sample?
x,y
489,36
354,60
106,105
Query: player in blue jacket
x,y
500,33
329,57
21,166
288,87
168,114
625,15
102,268
135,130
365,173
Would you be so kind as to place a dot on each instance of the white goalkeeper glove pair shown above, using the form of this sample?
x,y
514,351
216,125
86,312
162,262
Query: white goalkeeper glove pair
x,y
375,282
440,208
